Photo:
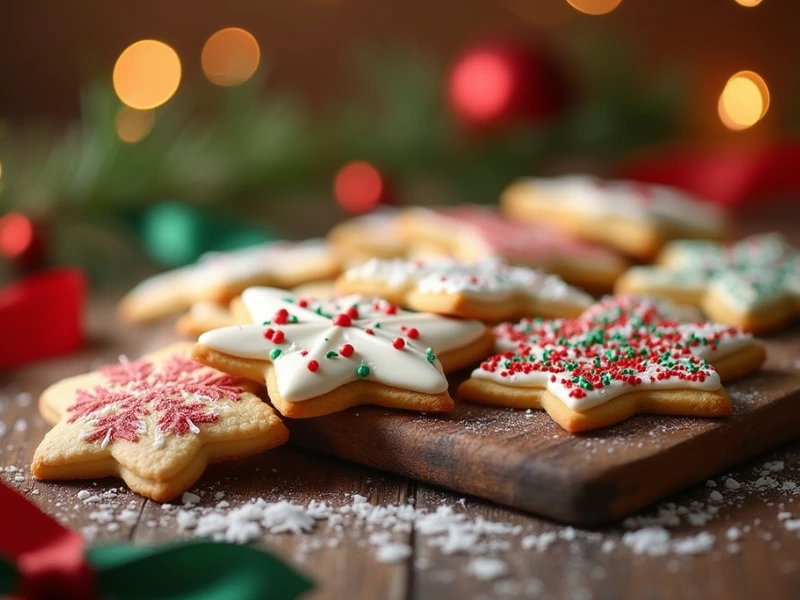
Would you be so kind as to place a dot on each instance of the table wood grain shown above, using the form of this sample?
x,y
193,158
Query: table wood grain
x,y
583,564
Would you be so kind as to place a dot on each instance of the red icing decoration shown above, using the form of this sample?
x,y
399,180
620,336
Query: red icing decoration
x,y
312,365
352,312
346,350
369,331
278,337
281,317
390,309
269,333
138,389
342,320
398,343
302,303
413,333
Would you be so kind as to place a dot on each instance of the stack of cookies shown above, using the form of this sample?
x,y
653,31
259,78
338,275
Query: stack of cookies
x,y
384,309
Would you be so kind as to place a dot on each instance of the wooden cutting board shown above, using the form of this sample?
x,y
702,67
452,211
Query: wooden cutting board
x,y
524,460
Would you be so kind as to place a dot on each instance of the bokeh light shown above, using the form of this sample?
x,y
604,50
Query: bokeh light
x,y
230,56
133,125
744,100
482,86
16,235
748,2
595,7
147,74
358,187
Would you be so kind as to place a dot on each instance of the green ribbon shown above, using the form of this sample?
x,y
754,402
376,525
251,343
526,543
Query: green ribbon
x,y
184,571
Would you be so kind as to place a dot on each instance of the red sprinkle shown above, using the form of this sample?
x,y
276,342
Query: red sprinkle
x,y
413,333
269,332
398,343
281,317
369,331
302,303
278,337
352,312
342,320
346,350
312,365
303,352
391,309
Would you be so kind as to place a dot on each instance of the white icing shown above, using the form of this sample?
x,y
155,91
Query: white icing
x,y
215,269
487,281
407,368
535,344
629,200
540,379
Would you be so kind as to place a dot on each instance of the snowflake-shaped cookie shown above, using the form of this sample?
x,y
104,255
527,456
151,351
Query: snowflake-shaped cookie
x,y
620,357
155,422
753,283
309,351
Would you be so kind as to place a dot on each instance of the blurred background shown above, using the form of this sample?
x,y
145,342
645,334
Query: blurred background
x,y
150,132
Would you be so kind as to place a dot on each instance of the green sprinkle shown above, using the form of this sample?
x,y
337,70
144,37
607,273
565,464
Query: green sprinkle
x,y
292,319
430,355
377,326
362,371
267,322
276,352
331,354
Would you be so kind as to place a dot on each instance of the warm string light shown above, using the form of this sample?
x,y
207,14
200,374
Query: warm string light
x,y
133,125
147,74
358,187
230,56
595,7
748,3
744,100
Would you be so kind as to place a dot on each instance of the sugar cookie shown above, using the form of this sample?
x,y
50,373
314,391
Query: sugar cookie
x,y
473,233
489,291
155,422
319,357
753,283
635,218
620,358
374,235
220,276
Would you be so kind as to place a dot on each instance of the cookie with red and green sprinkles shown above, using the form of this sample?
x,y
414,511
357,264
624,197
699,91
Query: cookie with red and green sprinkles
x,y
489,290
621,357
319,357
753,283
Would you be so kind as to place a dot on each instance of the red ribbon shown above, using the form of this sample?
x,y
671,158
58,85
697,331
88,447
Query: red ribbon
x,y
49,557
731,175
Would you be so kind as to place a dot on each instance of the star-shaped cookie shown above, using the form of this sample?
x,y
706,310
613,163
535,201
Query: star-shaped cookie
x,y
472,233
319,357
155,422
490,290
753,283
634,217
220,276
620,358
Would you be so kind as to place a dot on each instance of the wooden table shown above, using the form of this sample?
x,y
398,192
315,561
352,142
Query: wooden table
x,y
763,562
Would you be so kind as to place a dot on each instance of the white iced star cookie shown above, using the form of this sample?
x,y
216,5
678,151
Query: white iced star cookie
x,y
319,357
219,276
490,290
633,217
155,422
753,283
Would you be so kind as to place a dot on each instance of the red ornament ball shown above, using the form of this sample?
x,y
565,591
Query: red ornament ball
x,y
359,187
22,241
497,84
